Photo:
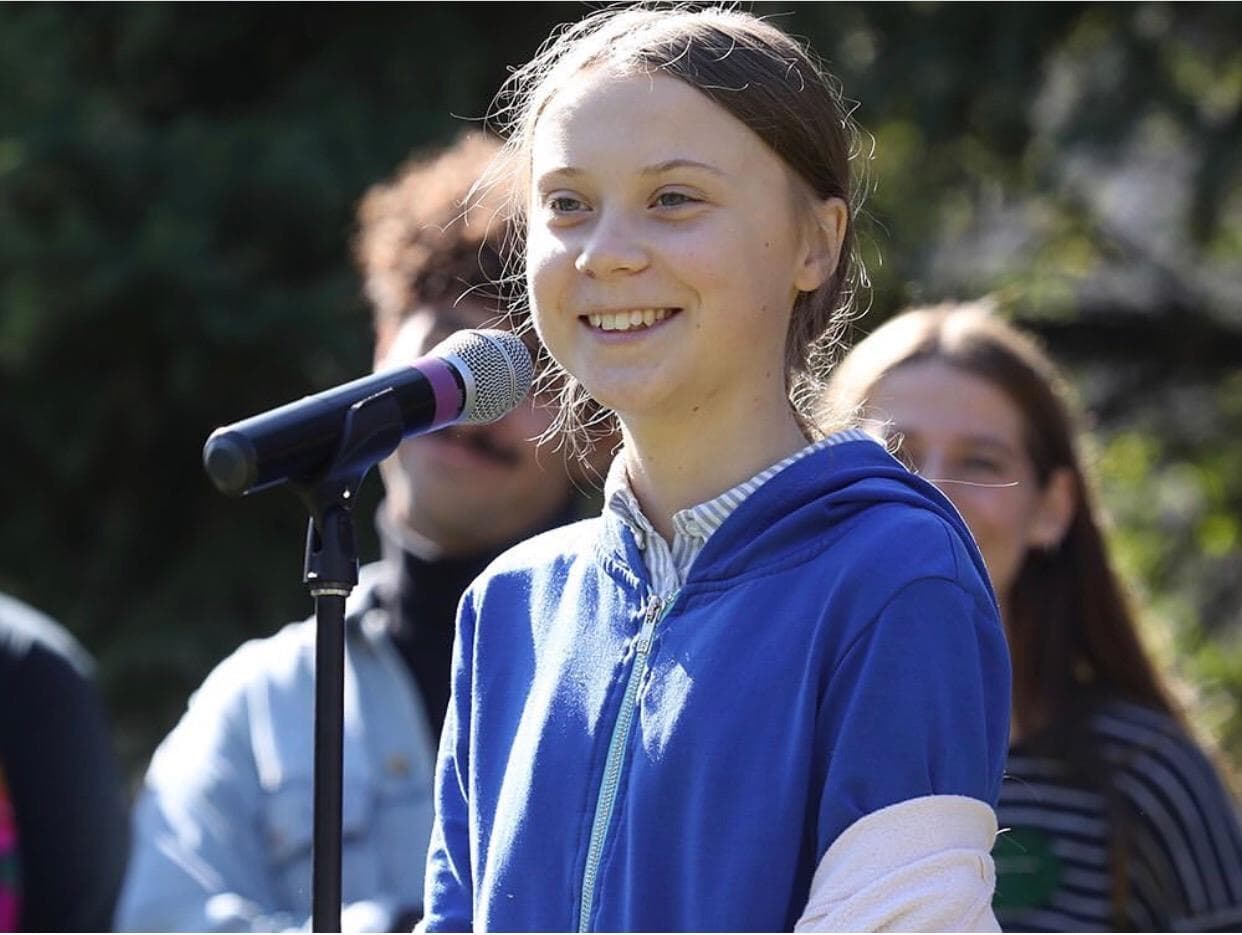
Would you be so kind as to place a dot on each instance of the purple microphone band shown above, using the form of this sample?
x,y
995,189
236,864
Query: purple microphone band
x,y
448,393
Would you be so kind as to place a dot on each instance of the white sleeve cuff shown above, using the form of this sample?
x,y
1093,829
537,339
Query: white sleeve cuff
x,y
920,865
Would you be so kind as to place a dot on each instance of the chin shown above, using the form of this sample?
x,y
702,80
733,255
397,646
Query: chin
x,y
635,395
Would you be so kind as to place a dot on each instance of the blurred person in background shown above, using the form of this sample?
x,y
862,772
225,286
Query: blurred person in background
x,y
1112,816
63,830
223,826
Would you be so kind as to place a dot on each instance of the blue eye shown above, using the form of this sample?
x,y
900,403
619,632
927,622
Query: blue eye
x,y
674,199
565,204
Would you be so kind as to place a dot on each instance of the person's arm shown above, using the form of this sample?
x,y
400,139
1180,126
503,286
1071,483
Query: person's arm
x,y
914,728
448,899
68,804
223,826
199,860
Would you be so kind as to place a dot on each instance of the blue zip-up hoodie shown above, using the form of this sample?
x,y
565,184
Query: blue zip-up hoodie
x,y
616,761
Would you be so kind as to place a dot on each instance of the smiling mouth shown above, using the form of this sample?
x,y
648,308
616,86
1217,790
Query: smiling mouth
x,y
634,319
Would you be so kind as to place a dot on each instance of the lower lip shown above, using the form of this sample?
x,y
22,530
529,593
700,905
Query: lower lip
x,y
630,334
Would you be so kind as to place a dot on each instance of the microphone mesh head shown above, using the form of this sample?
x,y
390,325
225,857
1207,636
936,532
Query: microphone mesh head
x,y
496,368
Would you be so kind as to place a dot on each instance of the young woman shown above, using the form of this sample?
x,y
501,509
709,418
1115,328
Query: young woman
x,y
768,685
1114,819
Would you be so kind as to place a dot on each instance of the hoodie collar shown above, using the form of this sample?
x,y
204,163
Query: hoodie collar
x,y
778,522
668,563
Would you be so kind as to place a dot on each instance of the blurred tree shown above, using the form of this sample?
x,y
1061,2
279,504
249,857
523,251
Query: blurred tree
x,y
176,193
176,189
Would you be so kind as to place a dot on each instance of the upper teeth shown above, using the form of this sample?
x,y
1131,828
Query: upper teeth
x,y
624,321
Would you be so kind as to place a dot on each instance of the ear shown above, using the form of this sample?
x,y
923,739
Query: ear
x,y
1055,511
829,221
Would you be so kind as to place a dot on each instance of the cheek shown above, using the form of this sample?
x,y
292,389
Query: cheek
x,y
980,510
990,533
998,521
707,258
547,263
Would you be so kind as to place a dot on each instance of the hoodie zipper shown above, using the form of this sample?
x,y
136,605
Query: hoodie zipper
x,y
656,611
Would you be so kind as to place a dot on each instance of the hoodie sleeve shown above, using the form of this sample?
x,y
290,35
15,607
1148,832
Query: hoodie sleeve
x,y
917,710
449,894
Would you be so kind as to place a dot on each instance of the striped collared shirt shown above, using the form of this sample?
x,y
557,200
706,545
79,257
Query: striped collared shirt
x,y
668,564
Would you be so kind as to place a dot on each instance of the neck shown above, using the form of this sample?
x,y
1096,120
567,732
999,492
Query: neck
x,y
675,464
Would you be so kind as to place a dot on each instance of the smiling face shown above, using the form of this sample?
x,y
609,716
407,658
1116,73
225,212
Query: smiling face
x,y
963,434
664,251
469,487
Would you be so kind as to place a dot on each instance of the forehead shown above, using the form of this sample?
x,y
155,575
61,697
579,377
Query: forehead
x,y
941,403
602,118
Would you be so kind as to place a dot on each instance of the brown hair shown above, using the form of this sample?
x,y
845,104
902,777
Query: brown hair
x,y
418,244
1071,630
759,75
1072,634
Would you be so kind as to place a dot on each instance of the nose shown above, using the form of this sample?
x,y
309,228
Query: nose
x,y
612,248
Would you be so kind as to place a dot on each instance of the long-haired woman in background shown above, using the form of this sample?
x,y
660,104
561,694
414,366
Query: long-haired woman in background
x,y
1112,816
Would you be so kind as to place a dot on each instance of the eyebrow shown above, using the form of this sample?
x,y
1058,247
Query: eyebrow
x,y
656,169
670,164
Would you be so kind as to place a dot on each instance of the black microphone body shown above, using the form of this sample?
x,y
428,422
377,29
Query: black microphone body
x,y
473,376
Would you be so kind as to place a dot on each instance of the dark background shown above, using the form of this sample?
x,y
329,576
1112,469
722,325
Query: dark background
x,y
176,193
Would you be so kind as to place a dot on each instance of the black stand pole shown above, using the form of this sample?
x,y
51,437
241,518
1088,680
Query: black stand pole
x,y
372,431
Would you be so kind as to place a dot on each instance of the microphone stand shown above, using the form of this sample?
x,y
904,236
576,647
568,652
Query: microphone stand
x,y
372,431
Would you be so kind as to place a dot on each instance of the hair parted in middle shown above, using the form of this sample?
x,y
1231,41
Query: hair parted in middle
x,y
761,76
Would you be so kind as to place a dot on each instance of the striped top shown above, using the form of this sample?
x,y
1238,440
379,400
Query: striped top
x,y
1182,853
668,563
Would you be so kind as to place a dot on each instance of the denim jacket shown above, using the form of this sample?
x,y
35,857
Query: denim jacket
x,y
223,826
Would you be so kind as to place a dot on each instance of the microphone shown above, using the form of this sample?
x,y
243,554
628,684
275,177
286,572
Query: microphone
x,y
473,376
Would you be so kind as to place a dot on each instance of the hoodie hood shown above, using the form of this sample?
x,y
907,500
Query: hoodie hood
x,y
785,523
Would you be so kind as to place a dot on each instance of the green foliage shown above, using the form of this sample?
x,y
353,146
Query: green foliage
x,y
177,184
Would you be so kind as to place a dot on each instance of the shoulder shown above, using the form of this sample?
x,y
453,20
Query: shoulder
x,y
23,630
287,657
236,704
248,683
853,504
1161,770
547,554
898,532
896,552
279,657
558,568
1132,733
565,543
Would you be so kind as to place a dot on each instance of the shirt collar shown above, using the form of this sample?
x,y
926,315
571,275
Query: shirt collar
x,y
702,520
